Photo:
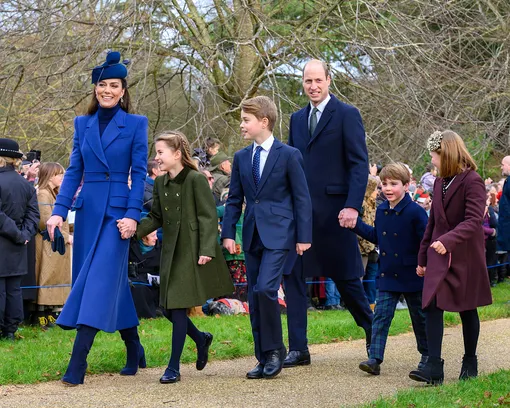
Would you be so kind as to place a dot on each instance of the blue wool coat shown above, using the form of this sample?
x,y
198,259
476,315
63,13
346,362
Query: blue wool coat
x,y
100,296
336,167
398,232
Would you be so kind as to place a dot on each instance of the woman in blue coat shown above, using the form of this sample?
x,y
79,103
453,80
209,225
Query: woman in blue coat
x,y
109,145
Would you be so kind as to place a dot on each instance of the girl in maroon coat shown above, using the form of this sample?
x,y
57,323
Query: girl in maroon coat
x,y
452,254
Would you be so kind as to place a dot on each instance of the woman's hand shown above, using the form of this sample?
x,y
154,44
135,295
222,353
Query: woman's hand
x,y
127,227
420,271
70,240
53,222
204,259
439,247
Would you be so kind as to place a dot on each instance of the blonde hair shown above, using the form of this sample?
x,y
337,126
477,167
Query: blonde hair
x,y
177,141
395,171
455,157
10,161
46,172
261,107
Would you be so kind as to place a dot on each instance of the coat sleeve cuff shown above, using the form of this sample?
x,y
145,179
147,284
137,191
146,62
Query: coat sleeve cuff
x,y
61,211
133,213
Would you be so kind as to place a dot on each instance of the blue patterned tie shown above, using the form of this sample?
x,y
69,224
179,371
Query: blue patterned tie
x,y
255,169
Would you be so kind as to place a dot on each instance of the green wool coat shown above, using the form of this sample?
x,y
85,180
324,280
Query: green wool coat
x,y
184,207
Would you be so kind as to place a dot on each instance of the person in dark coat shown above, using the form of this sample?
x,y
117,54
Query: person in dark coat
x,y
503,238
193,269
19,218
452,254
110,144
144,260
398,231
330,136
152,173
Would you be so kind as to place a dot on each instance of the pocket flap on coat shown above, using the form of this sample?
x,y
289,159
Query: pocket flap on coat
x,y
78,203
193,225
337,190
284,212
121,202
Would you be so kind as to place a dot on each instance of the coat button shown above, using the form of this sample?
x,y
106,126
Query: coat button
x,y
178,222
396,255
396,275
168,222
382,275
178,208
386,213
166,208
257,201
397,213
107,176
383,254
384,233
166,194
177,194
395,234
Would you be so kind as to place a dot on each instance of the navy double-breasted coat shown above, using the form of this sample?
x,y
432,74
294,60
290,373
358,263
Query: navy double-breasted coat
x,y
336,168
398,233
100,296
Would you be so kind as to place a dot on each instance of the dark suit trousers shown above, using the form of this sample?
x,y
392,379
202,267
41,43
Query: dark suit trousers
x,y
351,292
264,269
11,304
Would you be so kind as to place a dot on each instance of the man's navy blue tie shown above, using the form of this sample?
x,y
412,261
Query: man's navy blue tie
x,y
255,168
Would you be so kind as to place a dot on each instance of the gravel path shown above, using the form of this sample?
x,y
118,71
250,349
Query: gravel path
x,y
332,380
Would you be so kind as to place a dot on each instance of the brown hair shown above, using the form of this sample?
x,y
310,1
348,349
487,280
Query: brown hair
x,y
10,161
454,156
210,142
46,172
261,107
151,165
177,140
395,171
125,101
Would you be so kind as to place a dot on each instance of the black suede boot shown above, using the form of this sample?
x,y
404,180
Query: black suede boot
x,y
469,367
431,373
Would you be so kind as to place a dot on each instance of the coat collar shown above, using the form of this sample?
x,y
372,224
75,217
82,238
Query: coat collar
x,y
179,179
6,168
272,158
453,187
400,206
99,144
326,116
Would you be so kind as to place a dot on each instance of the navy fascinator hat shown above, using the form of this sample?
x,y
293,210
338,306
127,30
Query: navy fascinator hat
x,y
111,68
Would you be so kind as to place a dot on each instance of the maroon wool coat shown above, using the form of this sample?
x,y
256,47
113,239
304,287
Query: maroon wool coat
x,y
458,279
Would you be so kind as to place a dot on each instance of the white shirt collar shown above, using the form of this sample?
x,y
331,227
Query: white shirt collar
x,y
321,106
266,145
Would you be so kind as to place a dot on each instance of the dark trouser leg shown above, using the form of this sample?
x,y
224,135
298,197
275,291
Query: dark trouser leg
x,y
353,294
491,259
179,321
296,296
434,326
417,314
384,312
470,331
502,259
253,259
13,314
3,296
77,367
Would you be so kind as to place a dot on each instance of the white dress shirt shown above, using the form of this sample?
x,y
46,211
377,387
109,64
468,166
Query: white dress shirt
x,y
320,108
266,147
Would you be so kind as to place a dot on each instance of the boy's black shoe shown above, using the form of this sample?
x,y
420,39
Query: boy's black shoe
x,y
256,373
432,372
297,358
274,363
370,366
7,336
469,367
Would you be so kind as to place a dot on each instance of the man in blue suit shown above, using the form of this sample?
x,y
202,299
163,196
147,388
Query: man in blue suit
x,y
331,138
277,221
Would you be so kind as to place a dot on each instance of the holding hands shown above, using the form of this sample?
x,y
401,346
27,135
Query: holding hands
x,y
127,227
420,271
348,218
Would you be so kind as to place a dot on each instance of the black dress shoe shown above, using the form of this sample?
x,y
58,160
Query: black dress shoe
x,y
370,366
256,373
297,358
8,336
203,352
170,376
274,363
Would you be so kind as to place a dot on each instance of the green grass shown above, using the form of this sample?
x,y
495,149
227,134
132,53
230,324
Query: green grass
x,y
43,356
492,390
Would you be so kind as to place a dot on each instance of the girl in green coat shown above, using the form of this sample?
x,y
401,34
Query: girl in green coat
x,y
192,265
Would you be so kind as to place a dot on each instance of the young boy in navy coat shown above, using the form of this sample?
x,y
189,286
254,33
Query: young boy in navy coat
x,y
278,219
399,227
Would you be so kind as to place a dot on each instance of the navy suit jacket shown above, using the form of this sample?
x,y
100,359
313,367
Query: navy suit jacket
x,y
398,232
336,168
280,208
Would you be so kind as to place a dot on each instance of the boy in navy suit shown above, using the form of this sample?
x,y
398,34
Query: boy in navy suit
x,y
278,219
399,227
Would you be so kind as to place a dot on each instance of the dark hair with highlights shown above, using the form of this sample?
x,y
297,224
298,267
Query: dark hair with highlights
x,y
125,102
